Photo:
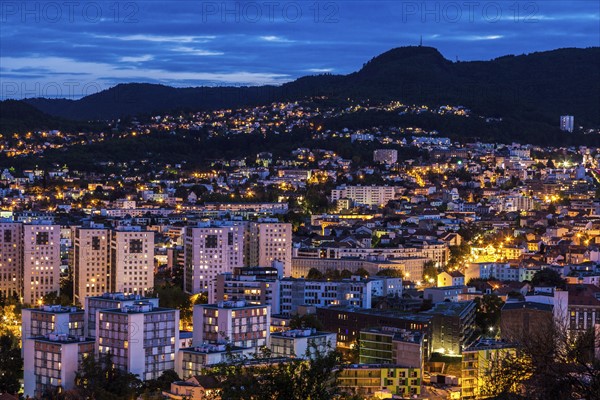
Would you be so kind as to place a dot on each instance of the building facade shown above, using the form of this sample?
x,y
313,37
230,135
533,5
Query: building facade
x,y
210,250
11,259
302,343
41,261
234,322
143,339
94,304
51,363
91,251
367,380
269,240
132,261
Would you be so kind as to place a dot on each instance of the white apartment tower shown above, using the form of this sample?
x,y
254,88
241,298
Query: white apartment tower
x,y
209,250
567,123
11,281
142,338
41,261
90,262
51,362
385,156
234,322
268,240
131,261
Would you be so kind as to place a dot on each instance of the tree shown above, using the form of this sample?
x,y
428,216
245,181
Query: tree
x,y
429,271
551,362
390,272
314,274
345,274
100,379
548,277
314,378
172,296
362,273
488,312
157,386
53,298
11,364
306,321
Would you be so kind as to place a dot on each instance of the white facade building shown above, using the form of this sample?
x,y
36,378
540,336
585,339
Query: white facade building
x,y
210,250
91,253
11,253
131,261
366,195
302,343
51,362
234,322
41,261
142,338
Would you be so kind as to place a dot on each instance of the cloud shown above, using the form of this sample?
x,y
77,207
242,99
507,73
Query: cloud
x,y
106,72
196,52
319,70
159,38
276,39
486,37
143,58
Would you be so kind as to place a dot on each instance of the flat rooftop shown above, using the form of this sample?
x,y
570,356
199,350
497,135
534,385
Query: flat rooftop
x,y
384,313
451,308
62,339
487,344
299,333
235,305
57,309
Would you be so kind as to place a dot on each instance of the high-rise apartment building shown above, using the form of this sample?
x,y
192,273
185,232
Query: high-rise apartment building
x,y
53,319
385,156
94,304
233,322
51,363
131,261
567,123
211,249
41,261
142,338
90,262
269,240
11,259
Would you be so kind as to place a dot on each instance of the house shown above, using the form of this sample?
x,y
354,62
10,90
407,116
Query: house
x,y
192,198
452,278
197,387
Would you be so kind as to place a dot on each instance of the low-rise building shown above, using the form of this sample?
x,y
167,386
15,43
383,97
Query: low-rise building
x,y
388,345
302,343
521,319
452,278
368,379
453,326
195,360
347,322
198,387
477,362
446,293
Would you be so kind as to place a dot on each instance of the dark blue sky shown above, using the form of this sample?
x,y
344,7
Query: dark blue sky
x,y
69,48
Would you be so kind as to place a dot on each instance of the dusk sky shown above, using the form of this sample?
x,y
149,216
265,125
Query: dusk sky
x,y
66,49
